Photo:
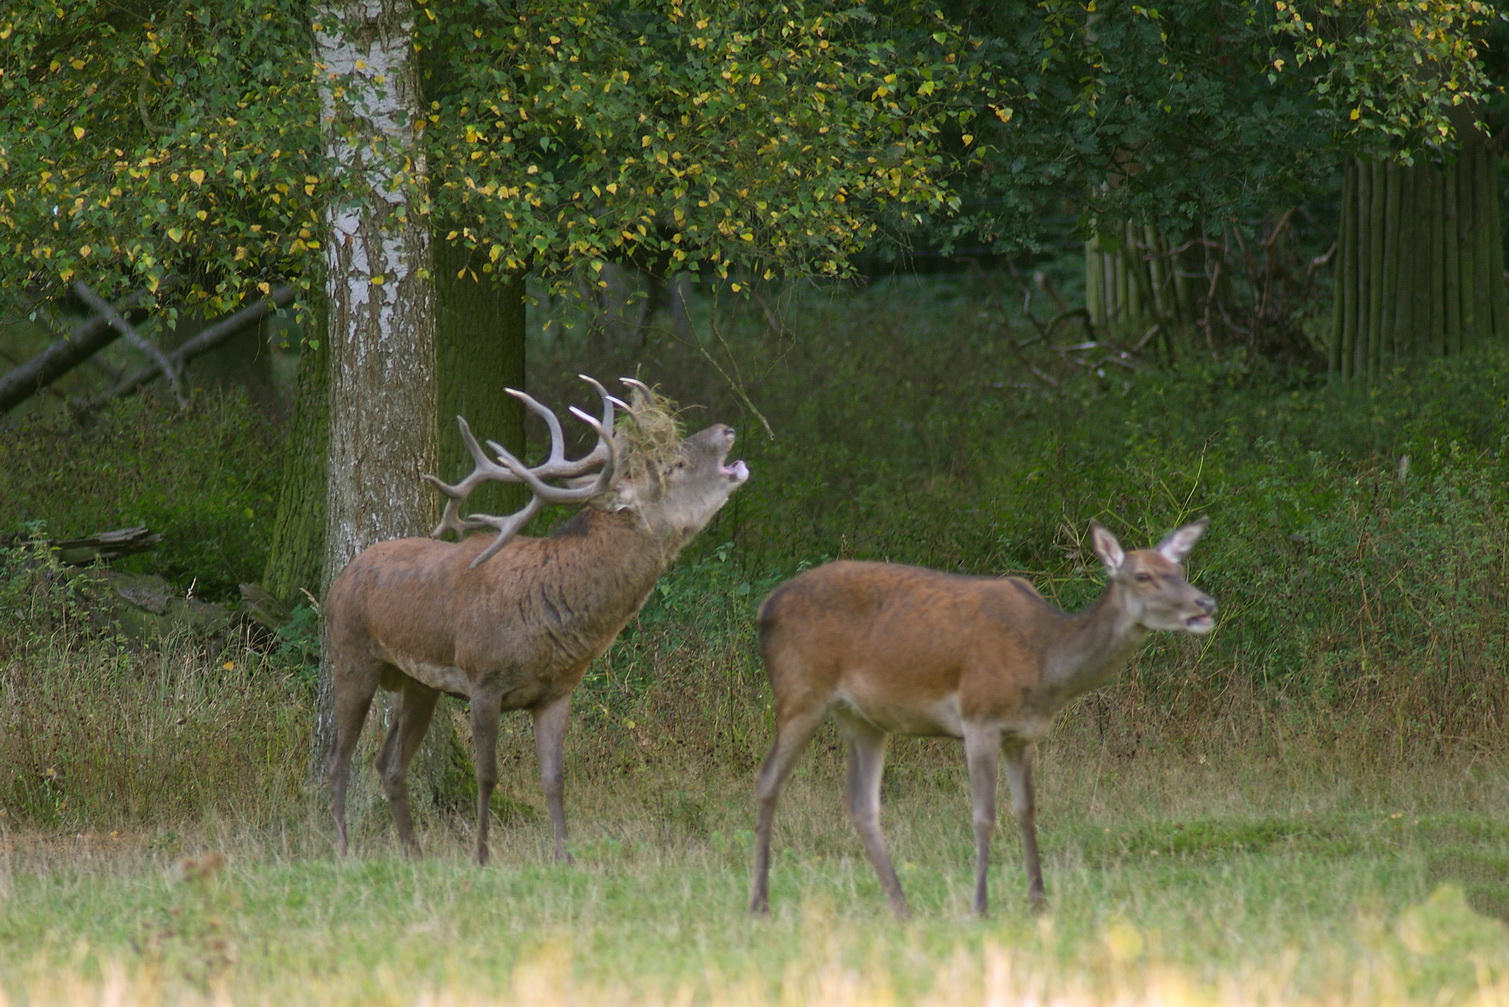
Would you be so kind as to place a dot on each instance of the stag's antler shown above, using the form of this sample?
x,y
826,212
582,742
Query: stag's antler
x,y
603,458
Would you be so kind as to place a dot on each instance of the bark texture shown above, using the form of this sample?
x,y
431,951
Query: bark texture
x,y
479,351
296,554
380,322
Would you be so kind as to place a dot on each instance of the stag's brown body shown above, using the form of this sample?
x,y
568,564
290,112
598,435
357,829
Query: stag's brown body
x,y
889,649
553,606
511,623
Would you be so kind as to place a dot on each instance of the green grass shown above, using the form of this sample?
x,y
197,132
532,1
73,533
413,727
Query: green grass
x,y
1351,889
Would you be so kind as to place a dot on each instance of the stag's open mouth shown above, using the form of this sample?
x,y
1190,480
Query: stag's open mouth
x,y
738,471
1200,624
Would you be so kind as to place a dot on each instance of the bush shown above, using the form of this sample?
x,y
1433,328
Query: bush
x,y
206,478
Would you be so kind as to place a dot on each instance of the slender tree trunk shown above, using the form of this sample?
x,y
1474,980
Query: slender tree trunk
x,y
296,554
1141,283
379,278
1420,268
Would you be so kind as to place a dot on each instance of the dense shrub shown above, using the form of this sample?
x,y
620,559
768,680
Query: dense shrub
x,y
204,477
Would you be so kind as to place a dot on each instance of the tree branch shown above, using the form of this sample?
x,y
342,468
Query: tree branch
x,y
136,339
87,339
207,340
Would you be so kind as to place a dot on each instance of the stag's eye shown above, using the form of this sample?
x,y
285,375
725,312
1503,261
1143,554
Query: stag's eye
x,y
1144,577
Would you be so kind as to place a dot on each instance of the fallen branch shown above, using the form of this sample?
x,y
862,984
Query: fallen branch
x,y
207,340
87,339
105,545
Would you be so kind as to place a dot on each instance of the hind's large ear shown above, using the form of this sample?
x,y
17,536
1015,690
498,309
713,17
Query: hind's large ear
x,y
1106,547
1178,545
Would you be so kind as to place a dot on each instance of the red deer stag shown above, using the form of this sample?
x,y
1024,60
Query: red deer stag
x,y
891,649
514,623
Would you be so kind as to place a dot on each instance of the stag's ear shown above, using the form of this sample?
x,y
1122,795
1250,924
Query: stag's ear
x,y
1178,545
1106,547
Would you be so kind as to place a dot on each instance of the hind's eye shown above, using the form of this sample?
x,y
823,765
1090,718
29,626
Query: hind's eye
x,y
1144,578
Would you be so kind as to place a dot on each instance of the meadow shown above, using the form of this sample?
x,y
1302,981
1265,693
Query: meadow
x,y
1309,806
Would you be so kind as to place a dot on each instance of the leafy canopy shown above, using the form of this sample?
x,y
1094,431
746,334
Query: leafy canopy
x,y
179,145
175,146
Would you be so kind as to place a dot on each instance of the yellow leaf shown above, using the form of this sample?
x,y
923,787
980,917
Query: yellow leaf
x,y
78,132
377,280
1356,114
197,176
265,287
176,233
229,666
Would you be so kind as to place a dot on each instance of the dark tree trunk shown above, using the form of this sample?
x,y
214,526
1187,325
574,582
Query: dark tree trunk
x,y
479,351
296,554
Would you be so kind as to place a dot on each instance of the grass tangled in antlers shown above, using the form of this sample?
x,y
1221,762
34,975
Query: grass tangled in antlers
x,y
649,439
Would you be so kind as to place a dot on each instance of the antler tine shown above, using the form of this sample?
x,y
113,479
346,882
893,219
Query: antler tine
x,y
579,494
506,526
510,469
557,466
485,469
557,438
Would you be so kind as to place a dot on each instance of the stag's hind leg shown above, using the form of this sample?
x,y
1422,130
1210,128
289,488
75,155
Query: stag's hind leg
x,y
354,686
412,711
867,746
487,707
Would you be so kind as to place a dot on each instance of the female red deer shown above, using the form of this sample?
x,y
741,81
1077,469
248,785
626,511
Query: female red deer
x,y
513,624
891,649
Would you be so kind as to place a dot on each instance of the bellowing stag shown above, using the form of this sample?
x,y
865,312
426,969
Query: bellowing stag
x,y
512,624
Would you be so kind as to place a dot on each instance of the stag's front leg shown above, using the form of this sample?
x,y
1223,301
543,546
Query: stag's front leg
x,y
550,749
1024,806
487,707
982,745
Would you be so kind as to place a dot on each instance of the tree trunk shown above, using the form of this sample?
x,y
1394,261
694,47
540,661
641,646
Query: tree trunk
x,y
296,554
1420,267
380,324
479,351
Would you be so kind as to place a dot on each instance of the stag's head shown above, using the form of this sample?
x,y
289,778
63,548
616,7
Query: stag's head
x,y
1152,580
641,466
673,484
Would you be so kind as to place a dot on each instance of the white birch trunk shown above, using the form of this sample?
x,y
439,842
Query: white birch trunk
x,y
380,318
